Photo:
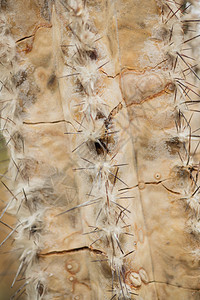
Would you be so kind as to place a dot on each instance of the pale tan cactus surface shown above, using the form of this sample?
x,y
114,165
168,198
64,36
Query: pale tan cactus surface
x,y
99,109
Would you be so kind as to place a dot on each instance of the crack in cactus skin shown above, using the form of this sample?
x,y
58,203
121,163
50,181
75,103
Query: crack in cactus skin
x,y
70,250
103,147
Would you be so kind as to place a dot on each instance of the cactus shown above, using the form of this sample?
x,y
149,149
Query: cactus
x,y
100,115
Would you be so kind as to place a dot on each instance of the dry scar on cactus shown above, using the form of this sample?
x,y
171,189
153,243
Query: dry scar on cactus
x,y
100,117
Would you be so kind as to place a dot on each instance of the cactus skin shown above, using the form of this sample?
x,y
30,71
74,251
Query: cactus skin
x,y
103,161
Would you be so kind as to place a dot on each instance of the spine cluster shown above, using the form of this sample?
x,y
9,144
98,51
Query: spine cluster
x,y
97,143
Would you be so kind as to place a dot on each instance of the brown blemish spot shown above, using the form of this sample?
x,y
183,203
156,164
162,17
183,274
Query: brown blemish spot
x,y
174,145
52,83
181,173
142,25
3,4
41,76
180,177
